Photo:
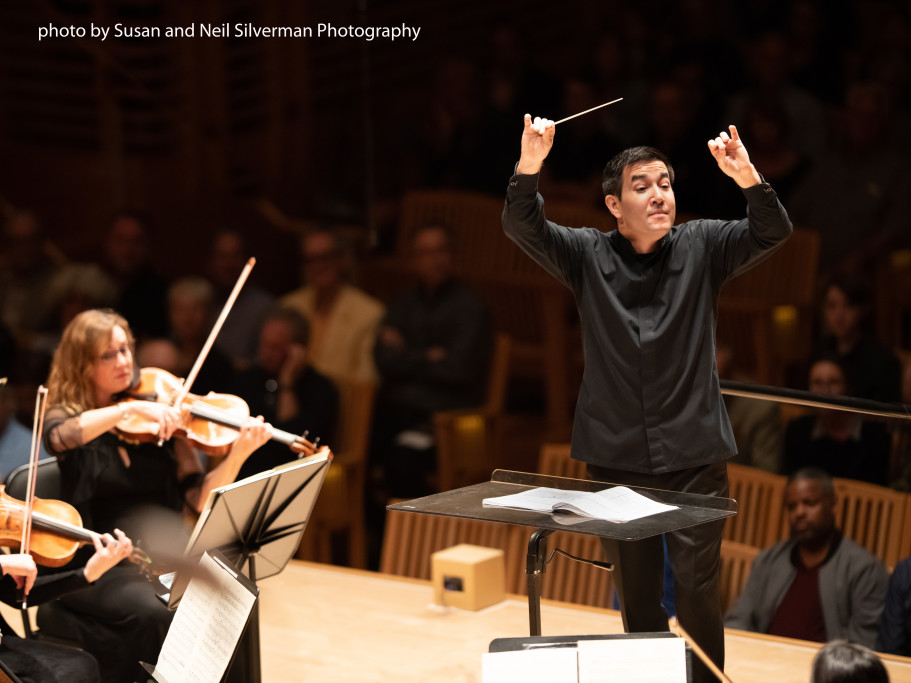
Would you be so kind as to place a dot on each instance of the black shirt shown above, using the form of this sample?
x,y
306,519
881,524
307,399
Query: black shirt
x,y
650,399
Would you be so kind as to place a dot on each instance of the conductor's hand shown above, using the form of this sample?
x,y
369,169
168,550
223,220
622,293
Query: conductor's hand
x,y
537,139
109,551
733,159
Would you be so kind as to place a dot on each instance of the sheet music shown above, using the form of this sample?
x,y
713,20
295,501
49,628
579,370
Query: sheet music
x,y
542,665
207,626
632,660
616,504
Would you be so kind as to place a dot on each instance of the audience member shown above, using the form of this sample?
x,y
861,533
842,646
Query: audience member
x,y
25,272
839,442
766,126
818,585
141,290
73,288
769,66
842,661
285,389
857,187
901,443
239,336
191,314
895,622
343,319
15,438
874,371
432,352
757,424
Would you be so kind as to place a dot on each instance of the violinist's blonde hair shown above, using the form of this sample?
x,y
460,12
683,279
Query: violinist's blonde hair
x,y
70,383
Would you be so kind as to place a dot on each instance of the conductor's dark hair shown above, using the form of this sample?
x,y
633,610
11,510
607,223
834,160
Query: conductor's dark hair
x,y
612,178
841,661
815,474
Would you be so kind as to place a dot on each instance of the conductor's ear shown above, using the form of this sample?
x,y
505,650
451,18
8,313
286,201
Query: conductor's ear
x,y
613,205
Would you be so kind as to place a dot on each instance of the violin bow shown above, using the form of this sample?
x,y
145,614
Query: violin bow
x,y
216,328
25,542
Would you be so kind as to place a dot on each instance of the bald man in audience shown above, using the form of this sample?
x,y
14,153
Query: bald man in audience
x,y
818,585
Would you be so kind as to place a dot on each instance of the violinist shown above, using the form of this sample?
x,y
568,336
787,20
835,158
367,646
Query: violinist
x,y
116,482
34,660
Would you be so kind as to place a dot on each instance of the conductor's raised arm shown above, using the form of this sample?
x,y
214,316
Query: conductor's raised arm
x,y
733,159
537,139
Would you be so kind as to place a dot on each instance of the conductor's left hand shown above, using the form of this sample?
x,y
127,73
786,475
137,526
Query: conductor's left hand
x,y
733,159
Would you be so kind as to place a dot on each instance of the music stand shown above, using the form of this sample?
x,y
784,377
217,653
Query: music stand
x,y
467,502
257,523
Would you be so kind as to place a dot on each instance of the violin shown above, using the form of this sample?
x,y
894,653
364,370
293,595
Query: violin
x,y
56,534
211,423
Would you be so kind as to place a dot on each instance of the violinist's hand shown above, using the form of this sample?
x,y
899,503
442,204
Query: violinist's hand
x,y
733,159
109,551
169,419
253,434
21,566
537,139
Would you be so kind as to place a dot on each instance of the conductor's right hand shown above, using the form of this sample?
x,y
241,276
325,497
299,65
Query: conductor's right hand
x,y
537,139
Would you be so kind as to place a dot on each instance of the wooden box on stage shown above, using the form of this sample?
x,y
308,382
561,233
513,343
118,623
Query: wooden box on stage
x,y
468,576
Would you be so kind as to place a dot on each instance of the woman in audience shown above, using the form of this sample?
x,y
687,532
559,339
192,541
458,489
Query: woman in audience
x,y
839,442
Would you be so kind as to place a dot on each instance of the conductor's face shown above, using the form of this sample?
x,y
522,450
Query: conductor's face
x,y
646,207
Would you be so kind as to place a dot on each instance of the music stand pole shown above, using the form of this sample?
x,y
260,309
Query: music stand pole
x,y
535,562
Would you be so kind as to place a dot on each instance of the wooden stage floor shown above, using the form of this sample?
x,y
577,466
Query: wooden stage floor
x,y
321,623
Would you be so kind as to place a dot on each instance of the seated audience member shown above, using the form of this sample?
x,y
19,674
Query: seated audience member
x,y
285,389
239,335
757,424
34,661
841,443
842,661
27,264
141,290
818,585
432,352
15,438
74,288
874,370
901,442
895,623
343,319
191,314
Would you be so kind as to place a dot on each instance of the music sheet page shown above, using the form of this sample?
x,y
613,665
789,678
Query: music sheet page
x,y
206,627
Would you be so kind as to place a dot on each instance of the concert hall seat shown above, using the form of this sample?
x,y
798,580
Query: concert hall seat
x,y
873,517
760,498
736,563
340,505
468,440
409,540
554,460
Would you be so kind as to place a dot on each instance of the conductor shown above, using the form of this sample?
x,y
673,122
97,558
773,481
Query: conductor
x,y
649,411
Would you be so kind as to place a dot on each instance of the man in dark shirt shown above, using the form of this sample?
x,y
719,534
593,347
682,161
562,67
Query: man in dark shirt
x,y
432,353
285,389
649,411
817,585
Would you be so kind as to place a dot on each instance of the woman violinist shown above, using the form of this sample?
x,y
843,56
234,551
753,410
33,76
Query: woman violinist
x,y
115,482
34,660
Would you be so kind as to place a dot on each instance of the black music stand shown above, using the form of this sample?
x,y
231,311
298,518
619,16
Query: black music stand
x,y
692,509
257,523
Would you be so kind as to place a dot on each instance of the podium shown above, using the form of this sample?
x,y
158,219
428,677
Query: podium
x,y
467,502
